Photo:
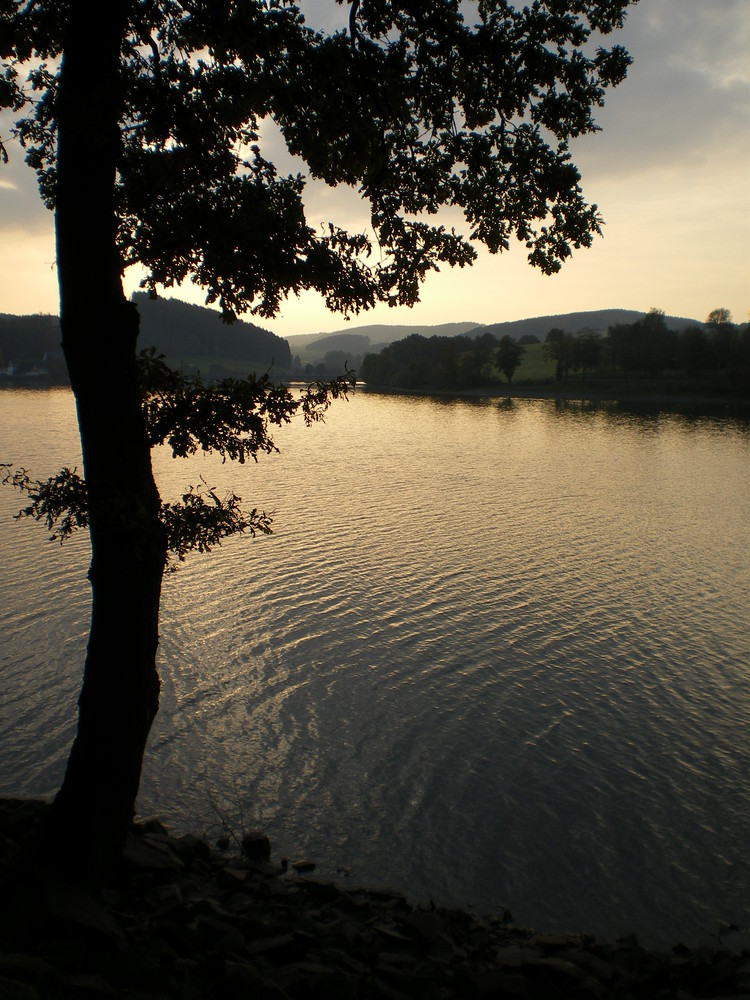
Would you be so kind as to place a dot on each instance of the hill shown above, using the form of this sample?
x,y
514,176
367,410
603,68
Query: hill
x,y
351,343
29,338
599,320
195,336
356,342
359,339
30,349
190,336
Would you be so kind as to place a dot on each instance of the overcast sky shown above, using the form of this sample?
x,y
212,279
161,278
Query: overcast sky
x,y
670,173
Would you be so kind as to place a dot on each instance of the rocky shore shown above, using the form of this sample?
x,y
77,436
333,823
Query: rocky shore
x,y
184,920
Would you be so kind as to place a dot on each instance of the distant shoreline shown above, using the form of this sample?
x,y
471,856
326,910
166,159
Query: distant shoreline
x,y
574,394
710,402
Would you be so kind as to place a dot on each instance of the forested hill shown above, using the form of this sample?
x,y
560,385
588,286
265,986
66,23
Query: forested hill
x,y
188,335
372,336
194,335
29,338
597,320
356,341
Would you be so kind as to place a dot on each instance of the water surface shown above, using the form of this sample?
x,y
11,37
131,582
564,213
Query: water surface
x,y
493,656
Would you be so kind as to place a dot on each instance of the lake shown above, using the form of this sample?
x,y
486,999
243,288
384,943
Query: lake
x,y
492,656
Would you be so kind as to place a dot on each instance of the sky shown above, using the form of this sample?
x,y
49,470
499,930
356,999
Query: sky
x,y
670,172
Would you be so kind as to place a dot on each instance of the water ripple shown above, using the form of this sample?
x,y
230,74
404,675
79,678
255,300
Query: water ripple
x,y
497,657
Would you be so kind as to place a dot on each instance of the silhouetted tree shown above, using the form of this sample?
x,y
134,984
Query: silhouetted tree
x,y
509,356
558,347
144,130
659,343
719,317
695,351
445,361
586,352
474,364
418,362
724,338
647,345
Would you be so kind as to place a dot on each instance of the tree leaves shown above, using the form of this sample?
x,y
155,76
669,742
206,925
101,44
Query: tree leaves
x,y
232,417
415,106
60,503
203,520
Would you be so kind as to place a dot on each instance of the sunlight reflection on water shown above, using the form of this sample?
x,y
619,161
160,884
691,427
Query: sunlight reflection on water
x,y
495,656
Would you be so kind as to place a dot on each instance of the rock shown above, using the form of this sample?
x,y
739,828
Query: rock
x,y
256,846
241,980
151,824
33,972
428,927
493,983
231,877
13,989
303,866
149,855
555,942
189,847
180,921
325,892
393,936
281,942
87,985
512,956
67,904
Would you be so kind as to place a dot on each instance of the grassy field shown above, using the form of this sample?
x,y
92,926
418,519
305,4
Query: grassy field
x,y
534,366
537,372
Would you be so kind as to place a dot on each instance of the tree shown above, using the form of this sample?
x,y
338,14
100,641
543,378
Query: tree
x,y
509,355
558,347
473,364
648,345
147,145
719,317
725,339
659,344
586,352
695,351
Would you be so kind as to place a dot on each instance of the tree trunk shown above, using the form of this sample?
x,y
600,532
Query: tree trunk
x,y
120,692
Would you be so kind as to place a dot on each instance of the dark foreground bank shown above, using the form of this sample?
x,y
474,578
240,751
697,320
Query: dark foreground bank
x,y
182,920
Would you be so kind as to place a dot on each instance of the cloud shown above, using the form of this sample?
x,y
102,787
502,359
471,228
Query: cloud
x,y
687,96
20,204
326,16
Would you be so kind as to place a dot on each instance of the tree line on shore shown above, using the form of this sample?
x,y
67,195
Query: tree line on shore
x,y
718,349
